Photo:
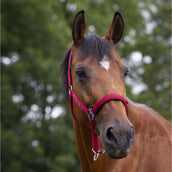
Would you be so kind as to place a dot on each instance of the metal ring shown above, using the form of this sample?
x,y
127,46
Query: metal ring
x,y
70,89
91,115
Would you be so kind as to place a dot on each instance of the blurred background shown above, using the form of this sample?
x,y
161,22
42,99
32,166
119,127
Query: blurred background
x,y
36,125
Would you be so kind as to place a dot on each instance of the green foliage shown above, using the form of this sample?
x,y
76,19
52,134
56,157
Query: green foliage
x,y
35,36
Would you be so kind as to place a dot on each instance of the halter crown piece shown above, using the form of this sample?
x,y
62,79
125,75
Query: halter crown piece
x,y
91,112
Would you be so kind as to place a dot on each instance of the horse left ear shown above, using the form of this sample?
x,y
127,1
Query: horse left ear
x,y
116,29
79,28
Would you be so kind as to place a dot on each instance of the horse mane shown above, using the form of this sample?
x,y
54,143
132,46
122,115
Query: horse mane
x,y
64,76
92,46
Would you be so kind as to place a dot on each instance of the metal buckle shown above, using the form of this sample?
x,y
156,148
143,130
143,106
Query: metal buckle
x,y
91,115
96,154
70,89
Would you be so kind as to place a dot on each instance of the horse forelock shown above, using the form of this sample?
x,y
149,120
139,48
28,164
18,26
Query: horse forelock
x,y
94,46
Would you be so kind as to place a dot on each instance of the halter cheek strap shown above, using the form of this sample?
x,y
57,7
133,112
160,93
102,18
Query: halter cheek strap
x,y
91,112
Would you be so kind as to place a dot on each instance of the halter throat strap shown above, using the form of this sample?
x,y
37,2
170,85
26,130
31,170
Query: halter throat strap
x,y
91,112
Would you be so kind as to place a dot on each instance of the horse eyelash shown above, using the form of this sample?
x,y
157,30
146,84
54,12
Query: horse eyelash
x,y
125,72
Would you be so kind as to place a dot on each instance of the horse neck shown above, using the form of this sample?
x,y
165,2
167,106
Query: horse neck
x,y
83,143
141,115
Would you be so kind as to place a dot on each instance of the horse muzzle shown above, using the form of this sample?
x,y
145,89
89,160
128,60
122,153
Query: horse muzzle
x,y
117,140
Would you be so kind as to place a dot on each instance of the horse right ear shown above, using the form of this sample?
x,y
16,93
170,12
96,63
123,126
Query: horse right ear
x,y
79,28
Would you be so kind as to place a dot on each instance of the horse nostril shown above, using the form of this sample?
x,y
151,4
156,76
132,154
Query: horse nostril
x,y
132,127
111,135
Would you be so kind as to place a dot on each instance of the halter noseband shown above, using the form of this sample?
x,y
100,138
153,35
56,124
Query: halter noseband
x,y
91,112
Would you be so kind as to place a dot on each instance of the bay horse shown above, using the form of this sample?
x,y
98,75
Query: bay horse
x,y
112,133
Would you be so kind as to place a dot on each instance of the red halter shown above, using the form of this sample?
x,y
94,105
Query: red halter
x,y
91,112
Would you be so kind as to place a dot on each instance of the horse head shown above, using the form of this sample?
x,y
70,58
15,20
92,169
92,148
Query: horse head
x,y
96,71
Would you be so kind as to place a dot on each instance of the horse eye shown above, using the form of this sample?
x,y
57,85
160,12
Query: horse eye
x,y
81,74
126,71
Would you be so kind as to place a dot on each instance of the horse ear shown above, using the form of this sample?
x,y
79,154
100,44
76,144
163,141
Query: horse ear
x,y
79,28
116,29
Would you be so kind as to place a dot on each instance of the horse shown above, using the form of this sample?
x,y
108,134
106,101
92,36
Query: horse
x,y
112,133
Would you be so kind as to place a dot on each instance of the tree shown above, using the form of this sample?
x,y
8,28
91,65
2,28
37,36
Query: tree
x,y
32,48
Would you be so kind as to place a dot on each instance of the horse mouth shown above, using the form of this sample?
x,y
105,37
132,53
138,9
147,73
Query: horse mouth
x,y
115,152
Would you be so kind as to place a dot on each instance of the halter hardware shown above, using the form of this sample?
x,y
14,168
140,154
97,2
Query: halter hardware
x,y
97,153
70,89
91,115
